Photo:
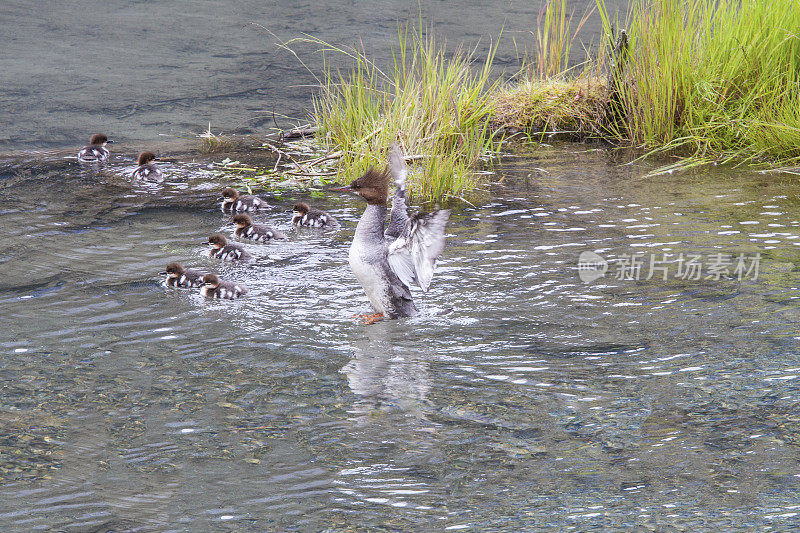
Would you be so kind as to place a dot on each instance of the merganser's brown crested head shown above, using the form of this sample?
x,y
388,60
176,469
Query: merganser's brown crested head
x,y
217,241
302,208
175,269
242,221
211,280
230,194
146,157
373,186
99,138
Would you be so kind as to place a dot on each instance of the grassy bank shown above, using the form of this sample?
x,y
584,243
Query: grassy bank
x,y
713,80
708,80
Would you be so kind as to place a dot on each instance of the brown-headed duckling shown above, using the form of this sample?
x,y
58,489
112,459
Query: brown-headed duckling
x,y
227,251
245,229
95,151
147,170
305,215
234,202
214,287
186,278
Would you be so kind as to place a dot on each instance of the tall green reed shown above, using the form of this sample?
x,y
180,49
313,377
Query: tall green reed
x,y
713,79
553,41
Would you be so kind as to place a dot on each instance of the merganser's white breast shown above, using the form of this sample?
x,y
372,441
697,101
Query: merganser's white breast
x,y
367,263
368,260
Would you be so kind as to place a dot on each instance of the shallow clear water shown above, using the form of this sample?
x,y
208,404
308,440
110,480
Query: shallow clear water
x,y
521,398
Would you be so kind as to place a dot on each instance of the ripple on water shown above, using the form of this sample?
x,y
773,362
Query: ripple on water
x,y
520,394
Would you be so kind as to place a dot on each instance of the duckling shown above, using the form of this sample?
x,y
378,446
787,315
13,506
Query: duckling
x,y
147,169
222,249
233,202
305,215
213,287
186,278
95,151
245,229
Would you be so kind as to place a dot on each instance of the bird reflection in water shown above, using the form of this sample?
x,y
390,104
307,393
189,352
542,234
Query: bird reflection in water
x,y
387,373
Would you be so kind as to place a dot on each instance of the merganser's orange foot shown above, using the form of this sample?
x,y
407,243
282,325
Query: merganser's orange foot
x,y
377,317
370,319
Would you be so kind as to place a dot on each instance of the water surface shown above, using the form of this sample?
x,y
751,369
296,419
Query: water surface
x,y
147,72
520,399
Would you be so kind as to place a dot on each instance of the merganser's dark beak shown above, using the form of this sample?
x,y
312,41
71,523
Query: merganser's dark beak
x,y
221,198
205,242
109,141
162,273
343,189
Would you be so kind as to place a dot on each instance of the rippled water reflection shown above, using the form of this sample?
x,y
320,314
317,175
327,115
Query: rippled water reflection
x,y
521,398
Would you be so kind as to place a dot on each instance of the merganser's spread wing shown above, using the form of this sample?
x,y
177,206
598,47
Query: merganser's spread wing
x,y
412,256
399,214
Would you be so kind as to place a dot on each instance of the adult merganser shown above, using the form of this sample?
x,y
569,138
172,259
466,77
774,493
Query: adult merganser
x,y
245,229
147,169
213,287
233,202
95,151
305,215
387,262
177,276
227,251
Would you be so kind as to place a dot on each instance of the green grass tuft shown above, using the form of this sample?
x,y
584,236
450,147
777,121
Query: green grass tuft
x,y
553,41
575,107
433,103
